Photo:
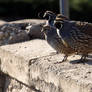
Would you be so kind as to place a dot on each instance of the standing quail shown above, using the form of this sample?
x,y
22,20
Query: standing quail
x,y
75,35
52,37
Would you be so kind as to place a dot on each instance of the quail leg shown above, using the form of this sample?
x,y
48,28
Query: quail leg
x,y
83,59
64,59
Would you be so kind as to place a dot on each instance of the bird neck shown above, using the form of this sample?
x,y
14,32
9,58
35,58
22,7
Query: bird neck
x,y
51,22
65,29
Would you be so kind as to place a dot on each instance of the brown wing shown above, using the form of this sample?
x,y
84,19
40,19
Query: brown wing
x,y
84,27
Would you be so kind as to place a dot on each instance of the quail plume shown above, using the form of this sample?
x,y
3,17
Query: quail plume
x,y
74,36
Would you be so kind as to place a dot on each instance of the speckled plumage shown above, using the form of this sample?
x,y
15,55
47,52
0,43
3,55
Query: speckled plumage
x,y
56,41
75,36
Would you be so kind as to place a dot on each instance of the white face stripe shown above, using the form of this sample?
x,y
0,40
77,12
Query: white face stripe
x,y
59,22
65,44
58,32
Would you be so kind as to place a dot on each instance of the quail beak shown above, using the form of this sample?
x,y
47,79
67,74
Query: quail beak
x,y
45,16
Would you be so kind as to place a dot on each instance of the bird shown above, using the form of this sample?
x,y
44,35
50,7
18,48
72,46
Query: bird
x,y
80,35
59,19
76,35
56,42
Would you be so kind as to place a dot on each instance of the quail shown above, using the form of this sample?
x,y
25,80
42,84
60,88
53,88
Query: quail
x,y
78,36
75,35
52,37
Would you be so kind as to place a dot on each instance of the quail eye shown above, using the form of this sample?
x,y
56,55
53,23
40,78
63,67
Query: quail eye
x,y
58,25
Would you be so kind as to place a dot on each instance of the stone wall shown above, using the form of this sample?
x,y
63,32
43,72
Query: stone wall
x,y
32,68
9,84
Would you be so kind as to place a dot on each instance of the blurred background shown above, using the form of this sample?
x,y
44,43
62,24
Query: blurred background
x,y
11,10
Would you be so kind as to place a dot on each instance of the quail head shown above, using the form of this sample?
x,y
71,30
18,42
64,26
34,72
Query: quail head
x,y
50,16
59,20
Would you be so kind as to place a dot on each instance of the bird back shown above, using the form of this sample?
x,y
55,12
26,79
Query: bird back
x,y
84,27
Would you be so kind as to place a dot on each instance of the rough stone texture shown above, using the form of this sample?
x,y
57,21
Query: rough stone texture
x,y
19,69
11,33
66,77
9,84
35,31
13,85
33,64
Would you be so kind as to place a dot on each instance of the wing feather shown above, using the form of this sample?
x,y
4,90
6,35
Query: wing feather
x,y
84,27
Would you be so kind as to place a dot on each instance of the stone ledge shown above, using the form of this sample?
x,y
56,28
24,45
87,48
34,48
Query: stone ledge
x,y
66,76
32,63
15,58
32,21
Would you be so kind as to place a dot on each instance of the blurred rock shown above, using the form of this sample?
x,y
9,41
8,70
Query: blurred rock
x,y
19,31
10,33
34,31
2,22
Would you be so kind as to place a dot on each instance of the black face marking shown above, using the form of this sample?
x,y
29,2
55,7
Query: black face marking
x,y
58,24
